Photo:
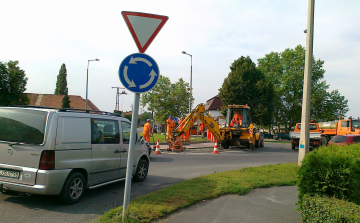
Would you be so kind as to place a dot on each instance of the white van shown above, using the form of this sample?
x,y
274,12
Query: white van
x,y
63,152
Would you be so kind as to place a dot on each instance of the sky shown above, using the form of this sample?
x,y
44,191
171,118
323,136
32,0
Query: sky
x,y
42,35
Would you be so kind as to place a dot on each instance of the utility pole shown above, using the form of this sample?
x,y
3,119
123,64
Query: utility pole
x,y
305,114
117,96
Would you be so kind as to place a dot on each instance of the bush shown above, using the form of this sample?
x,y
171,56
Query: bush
x,y
332,171
322,209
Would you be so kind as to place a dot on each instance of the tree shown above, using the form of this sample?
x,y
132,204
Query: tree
x,y
286,71
167,99
331,107
128,116
13,82
245,84
61,83
144,116
66,101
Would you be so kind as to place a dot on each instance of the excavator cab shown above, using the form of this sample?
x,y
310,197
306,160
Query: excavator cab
x,y
238,116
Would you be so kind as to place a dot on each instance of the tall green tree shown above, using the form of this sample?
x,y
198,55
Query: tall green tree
x,y
65,101
167,98
286,71
13,82
61,83
245,84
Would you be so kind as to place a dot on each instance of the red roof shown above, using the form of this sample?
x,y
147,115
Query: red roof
x,y
55,101
214,103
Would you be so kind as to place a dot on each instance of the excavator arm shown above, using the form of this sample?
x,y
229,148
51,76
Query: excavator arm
x,y
190,119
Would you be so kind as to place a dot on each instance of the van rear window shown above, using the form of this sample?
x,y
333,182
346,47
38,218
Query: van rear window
x,y
22,125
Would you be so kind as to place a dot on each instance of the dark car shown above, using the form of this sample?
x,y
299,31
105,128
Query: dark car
x,y
281,135
268,135
345,139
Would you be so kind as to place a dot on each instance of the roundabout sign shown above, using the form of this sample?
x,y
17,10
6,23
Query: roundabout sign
x,y
139,72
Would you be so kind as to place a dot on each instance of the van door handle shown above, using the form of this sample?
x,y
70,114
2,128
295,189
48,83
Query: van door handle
x,y
117,151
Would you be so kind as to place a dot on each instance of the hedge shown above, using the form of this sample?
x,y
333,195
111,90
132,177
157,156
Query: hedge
x,y
322,209
332,171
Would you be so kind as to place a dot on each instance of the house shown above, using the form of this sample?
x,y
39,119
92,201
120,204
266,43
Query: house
x,y
55,101
213,107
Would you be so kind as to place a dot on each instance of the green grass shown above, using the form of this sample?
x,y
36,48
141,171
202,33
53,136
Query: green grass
x,y
162,138
160,203
284,141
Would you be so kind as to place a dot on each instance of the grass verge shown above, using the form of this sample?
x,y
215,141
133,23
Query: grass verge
x,y
276,141
160,203
162,138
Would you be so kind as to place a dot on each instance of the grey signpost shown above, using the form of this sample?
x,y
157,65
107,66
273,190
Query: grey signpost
x,y
138,73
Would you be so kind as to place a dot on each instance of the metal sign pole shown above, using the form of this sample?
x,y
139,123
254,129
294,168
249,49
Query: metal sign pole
x,y
130,161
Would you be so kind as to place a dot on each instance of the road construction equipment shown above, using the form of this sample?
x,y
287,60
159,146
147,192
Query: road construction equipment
x,y
339,127
235,135
314,135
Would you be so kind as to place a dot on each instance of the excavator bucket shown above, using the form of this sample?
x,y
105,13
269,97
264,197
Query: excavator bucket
x,y
176,145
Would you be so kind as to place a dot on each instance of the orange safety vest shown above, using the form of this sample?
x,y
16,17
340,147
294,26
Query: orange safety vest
x,y
170,123
147,127
201,126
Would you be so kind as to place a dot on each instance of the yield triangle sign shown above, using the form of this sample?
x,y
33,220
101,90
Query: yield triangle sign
x,y
143,27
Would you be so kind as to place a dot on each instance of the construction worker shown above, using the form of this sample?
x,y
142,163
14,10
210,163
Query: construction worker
x,y
201,128
147,130
170,124
237,119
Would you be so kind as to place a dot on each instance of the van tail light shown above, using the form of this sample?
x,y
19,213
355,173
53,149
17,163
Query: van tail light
x,y
47,160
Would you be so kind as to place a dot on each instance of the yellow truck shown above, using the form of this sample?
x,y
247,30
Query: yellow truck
x,y
231,134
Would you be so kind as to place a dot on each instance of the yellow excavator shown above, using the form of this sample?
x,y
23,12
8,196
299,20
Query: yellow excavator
x,y
231,134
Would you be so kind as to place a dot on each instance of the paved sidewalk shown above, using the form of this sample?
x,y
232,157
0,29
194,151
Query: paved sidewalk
x,y
262,205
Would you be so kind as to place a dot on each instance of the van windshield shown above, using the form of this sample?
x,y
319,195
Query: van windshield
x,y
22,125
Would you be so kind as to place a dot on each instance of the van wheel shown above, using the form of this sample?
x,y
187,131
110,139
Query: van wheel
x,y
73,188
141,171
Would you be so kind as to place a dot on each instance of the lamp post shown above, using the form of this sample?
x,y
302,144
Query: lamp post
x,y
190,80
87,80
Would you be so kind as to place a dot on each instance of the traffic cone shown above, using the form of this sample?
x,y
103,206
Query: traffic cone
x,y
157,150
216,151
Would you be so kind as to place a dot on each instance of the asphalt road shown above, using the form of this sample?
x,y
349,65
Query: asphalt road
x,y
165,169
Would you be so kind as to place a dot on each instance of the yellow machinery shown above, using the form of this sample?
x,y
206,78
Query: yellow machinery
x,y
228,135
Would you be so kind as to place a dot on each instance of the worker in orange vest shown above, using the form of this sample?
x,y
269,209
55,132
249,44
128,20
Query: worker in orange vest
x,y
187,135
201,128
170,124
147,130
237,119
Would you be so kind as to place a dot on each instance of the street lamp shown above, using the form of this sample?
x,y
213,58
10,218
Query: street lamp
x,y
87,80
190,80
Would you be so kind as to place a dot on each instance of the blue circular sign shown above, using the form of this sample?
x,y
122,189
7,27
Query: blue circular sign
x,y
139,72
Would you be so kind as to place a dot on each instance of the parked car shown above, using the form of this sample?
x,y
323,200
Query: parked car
x,y
63,152
268,135
345,139
281,135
